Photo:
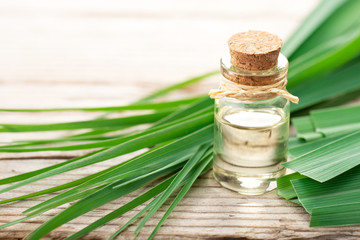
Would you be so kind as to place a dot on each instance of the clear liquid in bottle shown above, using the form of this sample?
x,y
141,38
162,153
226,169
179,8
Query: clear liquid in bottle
x,y
250,146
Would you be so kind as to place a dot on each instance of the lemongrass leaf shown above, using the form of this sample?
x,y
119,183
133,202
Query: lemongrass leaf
x,y
305,128
338,215
27,175
182,193
345,17
294,142
343,189
296,201
325,58
199,117
338,83
204,150
284,186
97,123
53,202
198,106
53,189
147,208
139,106
311,145
65,140
89,203
35,214
330,160
123,209
337,120
129,146
134,218
313,21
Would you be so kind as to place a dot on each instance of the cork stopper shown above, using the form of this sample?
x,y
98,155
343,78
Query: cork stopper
x,y
254,50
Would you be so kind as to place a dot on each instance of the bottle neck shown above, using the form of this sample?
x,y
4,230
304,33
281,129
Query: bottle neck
x,y
254,78
253,85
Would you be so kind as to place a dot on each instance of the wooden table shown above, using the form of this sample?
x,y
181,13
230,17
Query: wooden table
x,y
95,53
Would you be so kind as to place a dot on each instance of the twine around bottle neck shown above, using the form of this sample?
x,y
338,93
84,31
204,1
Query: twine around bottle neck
x,y
247,85
252,93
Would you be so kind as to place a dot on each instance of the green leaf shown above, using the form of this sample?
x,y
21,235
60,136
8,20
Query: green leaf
x,y
338,215
64,140
330,160
325,58
307,147
316,18
337,120
294,142
27,175
134,218
98,123
49,190
138,106
284,186
123,209
305,128
183,113
295,200
180,127
337,83
344,15
204,150
206,164
91,202
125,178
344,189
198,118
145,209
204,103
63,201
129,146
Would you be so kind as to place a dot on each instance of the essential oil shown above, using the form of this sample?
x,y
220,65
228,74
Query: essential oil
x,y
251,114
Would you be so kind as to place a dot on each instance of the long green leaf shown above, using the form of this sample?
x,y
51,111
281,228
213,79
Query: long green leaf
x,y
204,150
91,202
123,209
338,215
144,210
139,106
98,123
344,189
27,175
63,201
182,113
197,117
205,164
305,128
318,16
56,188
284,186
307,147
337,120
337,83
330,160
125,180
343,16
129,146
325,58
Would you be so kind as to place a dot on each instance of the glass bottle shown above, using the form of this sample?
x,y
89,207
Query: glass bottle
x,y
251,136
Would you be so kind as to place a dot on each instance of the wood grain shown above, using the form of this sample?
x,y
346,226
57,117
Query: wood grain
x,y
95,53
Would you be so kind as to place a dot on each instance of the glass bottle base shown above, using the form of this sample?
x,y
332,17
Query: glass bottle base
x,y
247,184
